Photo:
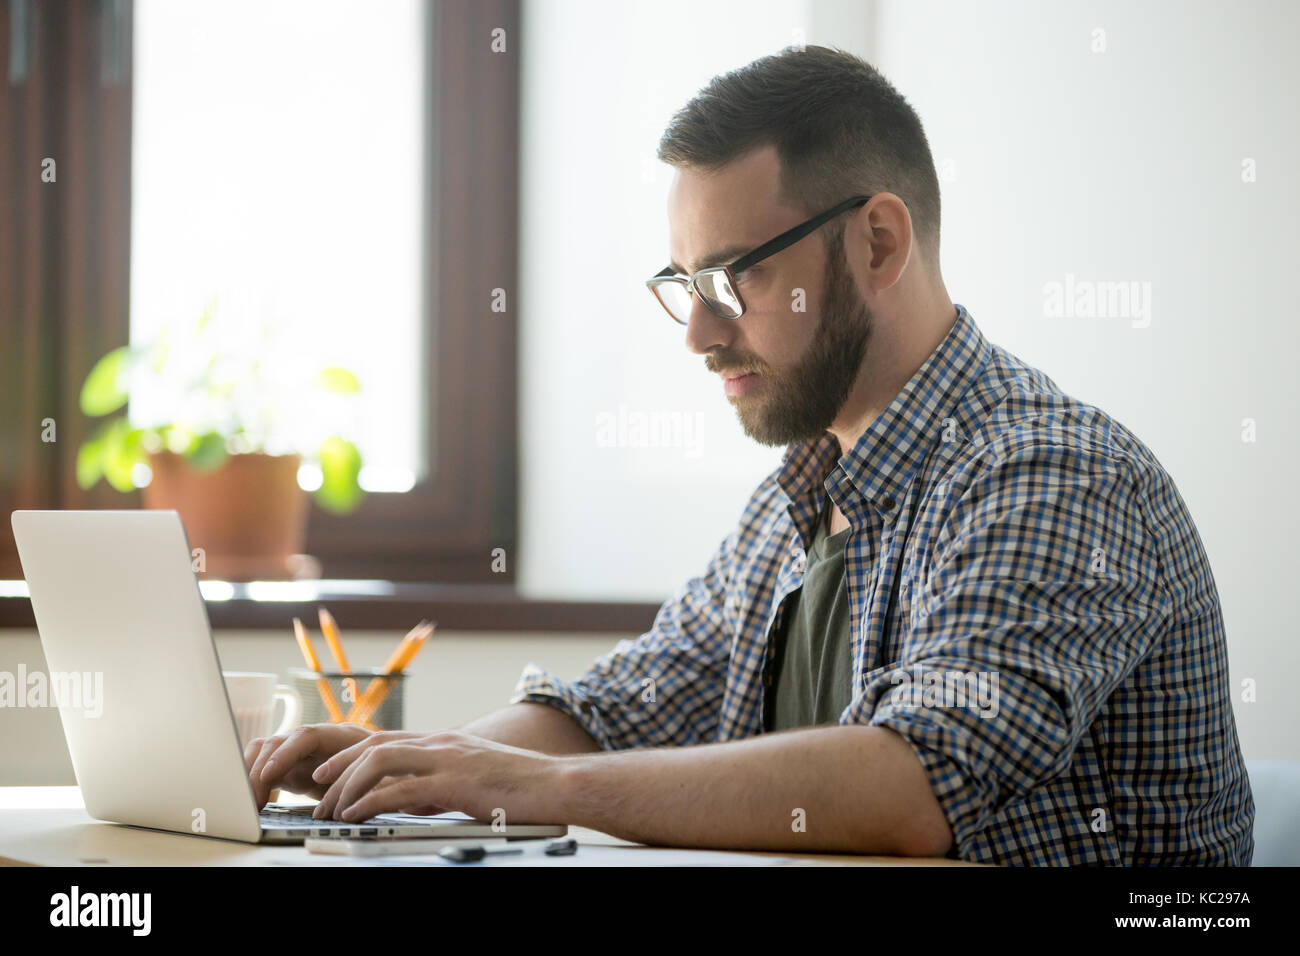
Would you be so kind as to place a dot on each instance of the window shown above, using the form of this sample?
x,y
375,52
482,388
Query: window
x,y
278,173
440,433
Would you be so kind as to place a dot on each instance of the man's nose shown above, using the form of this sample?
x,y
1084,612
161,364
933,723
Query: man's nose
x,y
706,331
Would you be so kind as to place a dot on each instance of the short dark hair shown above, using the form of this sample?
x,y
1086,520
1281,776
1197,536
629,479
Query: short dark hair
x,y
839,127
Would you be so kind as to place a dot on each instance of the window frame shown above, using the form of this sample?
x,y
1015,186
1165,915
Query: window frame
x,y
446,528
66,272
65,297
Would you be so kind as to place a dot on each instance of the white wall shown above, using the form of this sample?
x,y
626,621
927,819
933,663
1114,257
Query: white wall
x,y
1123,165
600,81
1127,165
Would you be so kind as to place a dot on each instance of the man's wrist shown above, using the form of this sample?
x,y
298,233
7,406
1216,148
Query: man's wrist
x,y
570,784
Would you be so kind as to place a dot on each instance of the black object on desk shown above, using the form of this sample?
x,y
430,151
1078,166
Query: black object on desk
x,y
556,846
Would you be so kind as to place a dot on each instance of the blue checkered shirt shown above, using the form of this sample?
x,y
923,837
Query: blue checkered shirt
x,y
1003,533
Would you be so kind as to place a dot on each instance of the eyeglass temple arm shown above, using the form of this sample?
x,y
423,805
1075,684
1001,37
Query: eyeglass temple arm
x,y
772,247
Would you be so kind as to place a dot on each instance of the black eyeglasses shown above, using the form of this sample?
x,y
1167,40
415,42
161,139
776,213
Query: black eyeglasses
x,y
716,286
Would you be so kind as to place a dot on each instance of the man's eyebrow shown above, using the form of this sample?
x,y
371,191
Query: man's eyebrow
x,y
729,254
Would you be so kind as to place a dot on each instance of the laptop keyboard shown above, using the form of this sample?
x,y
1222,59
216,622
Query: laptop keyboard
x,y
300,818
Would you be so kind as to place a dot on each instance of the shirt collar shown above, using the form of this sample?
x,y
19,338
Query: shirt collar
x,y
880,464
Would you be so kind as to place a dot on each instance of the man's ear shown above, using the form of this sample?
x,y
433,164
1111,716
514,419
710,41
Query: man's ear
x,y
878,241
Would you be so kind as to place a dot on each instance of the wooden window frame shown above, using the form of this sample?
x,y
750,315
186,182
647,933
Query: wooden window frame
x,y
64,268
447,527
64,302
65,272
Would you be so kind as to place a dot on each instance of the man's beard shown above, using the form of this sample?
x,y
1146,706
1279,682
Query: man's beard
x,y
800,404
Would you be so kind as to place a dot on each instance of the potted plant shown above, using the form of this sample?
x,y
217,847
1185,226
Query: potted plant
x,y
230,419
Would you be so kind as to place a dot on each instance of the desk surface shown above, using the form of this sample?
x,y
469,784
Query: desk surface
x,y
47,826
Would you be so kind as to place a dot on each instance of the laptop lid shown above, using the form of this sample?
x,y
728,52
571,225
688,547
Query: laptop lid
x,y
117,602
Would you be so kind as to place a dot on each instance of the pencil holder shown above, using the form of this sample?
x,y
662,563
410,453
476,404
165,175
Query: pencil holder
x,y
347,689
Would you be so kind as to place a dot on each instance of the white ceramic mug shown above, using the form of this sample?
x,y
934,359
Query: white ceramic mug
x,y
252,698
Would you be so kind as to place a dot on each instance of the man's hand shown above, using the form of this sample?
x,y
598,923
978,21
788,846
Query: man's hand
x,y
447,770
288,760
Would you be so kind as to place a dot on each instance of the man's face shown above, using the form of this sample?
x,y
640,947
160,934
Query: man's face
x,y
803,363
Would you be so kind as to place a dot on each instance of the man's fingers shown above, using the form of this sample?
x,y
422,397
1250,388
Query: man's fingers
x,y
325,807
345,757
332,773
389,760
298,745
261,788
390,798
251,751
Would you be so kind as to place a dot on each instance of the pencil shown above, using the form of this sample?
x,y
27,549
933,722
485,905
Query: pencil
x,y
327,695
331,632
372,701
400,657
378,687
332,638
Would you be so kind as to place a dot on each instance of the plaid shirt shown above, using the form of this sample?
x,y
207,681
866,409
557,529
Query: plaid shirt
x,y
1007,537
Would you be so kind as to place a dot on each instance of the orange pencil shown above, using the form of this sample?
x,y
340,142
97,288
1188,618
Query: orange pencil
x,y
327,695
400,657
378,688
332,638
331,632
371,704
377,697
393,660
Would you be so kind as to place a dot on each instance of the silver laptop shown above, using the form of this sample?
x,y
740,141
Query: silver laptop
x,y
117,603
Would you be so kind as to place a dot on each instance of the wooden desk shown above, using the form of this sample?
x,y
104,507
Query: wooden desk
x,y
47,826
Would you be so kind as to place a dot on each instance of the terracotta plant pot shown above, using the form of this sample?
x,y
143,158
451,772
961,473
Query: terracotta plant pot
x,y
249,515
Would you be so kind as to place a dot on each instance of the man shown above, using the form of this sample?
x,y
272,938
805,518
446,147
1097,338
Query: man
x,y
968,615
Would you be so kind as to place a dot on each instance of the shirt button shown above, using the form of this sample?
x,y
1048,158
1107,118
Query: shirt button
x,y
887,504
800,562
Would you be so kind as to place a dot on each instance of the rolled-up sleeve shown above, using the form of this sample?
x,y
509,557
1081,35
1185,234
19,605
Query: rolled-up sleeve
x,y
1044,586
665,687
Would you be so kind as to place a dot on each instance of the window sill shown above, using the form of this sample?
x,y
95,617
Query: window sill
x,y
385,605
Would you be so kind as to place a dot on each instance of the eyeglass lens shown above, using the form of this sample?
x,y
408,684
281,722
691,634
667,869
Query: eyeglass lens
x,y
715,288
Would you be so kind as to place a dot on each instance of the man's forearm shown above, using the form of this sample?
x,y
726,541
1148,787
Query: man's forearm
x,y
534,727
852,789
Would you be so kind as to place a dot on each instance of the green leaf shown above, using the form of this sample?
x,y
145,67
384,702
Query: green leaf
x,y
340,465
207,452
222,389
161,352
105,389
335,379
123,450
90,459
206,317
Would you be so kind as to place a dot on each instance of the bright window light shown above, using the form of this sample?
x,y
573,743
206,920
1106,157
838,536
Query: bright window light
x,y
279,170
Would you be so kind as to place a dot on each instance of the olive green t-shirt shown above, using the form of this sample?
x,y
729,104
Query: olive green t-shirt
x,y
812,654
